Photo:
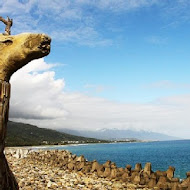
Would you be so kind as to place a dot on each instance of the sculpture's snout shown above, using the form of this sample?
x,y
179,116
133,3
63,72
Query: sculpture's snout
x,y
45,44
46,38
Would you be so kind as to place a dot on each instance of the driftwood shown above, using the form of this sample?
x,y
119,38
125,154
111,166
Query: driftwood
x,y
8,23
15,52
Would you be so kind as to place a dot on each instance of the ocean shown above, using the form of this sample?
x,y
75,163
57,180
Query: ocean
x,y
161,154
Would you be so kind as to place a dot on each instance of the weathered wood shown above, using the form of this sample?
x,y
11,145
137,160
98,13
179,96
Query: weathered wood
x,y
8,23
15,52
7,179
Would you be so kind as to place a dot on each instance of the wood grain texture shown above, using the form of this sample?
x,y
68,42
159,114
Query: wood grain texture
x,y
15,52
7,179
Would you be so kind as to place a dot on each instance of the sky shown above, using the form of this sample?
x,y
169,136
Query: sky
x,y
113,64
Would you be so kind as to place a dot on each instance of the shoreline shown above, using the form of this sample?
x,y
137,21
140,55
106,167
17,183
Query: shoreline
x,y
73,144
71,167
42,175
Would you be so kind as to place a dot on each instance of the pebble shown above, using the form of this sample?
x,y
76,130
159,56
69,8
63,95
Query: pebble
x,y
34,173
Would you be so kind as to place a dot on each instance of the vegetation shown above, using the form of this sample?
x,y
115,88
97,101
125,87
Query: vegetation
x,y
20,134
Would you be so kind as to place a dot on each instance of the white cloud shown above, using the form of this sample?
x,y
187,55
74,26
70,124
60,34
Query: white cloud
x,y
36,82
65,21
119,5
72,21
83,36
157,40
166,84
176,13
97,88
38,98
69,21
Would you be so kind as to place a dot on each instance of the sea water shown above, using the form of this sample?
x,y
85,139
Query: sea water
x,y
161,154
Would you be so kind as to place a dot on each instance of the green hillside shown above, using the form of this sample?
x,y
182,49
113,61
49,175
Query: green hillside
x,y
20,134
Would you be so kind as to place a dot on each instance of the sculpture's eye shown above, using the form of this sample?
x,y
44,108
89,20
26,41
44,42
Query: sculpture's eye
x,y
7,42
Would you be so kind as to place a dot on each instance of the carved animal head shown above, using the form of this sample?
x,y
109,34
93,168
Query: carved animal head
x,y
16,51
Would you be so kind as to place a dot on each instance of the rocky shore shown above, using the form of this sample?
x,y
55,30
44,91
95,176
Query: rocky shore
x,y
64,170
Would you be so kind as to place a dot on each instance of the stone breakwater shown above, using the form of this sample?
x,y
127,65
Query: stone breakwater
x,y
63,170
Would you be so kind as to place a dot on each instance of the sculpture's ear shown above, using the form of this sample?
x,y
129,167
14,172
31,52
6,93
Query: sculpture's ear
x,y
6,42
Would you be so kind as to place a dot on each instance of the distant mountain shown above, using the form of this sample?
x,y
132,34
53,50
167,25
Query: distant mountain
x,y
20,134
119,134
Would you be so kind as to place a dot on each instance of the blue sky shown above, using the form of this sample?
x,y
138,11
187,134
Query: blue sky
x,y
132,49
128,56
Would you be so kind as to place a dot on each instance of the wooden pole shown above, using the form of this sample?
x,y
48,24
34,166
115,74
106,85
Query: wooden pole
x,y
7,179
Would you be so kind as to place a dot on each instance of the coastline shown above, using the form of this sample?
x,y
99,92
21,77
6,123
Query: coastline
x,y
73,144
33,174
60,169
